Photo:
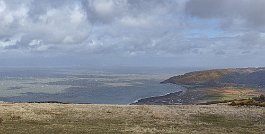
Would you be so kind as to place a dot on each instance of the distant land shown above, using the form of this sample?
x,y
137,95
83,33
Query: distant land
x,y
213,86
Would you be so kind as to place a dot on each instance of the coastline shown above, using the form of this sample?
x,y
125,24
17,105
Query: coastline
x,y
180,91
155,100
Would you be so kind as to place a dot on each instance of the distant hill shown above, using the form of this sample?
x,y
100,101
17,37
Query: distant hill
x,y
213,86
245,76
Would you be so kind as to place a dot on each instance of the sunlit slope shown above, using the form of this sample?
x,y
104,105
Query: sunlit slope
x,y
244,76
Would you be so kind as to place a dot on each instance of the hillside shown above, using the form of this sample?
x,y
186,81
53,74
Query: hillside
x,y
245,76
43,118
219,85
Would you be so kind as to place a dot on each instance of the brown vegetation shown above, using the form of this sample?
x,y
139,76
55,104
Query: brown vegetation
x,y
255,101
76,118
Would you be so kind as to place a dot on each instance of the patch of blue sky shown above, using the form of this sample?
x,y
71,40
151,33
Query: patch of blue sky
x,y
203,28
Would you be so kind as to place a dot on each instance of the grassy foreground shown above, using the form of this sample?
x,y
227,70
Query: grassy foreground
x,y
77,118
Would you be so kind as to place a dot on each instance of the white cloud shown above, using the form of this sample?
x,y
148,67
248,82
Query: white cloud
x,y
104,7
140,21
65,25
163,28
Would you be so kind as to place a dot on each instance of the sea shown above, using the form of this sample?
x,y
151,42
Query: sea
x,y
109,85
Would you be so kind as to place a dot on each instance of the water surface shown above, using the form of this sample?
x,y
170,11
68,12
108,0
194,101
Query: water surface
x,y
81,85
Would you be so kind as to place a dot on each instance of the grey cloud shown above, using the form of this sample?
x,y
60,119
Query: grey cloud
x,y
131,28
252,39
233,12
67,22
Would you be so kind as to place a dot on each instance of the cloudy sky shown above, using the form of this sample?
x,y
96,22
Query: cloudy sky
x,y
178,33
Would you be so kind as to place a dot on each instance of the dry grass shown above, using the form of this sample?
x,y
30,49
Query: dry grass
x,y
69,118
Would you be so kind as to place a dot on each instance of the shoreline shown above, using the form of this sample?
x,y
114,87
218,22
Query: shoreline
x,y
152,100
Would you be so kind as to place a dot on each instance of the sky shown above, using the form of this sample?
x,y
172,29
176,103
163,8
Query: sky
x,y
158,33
